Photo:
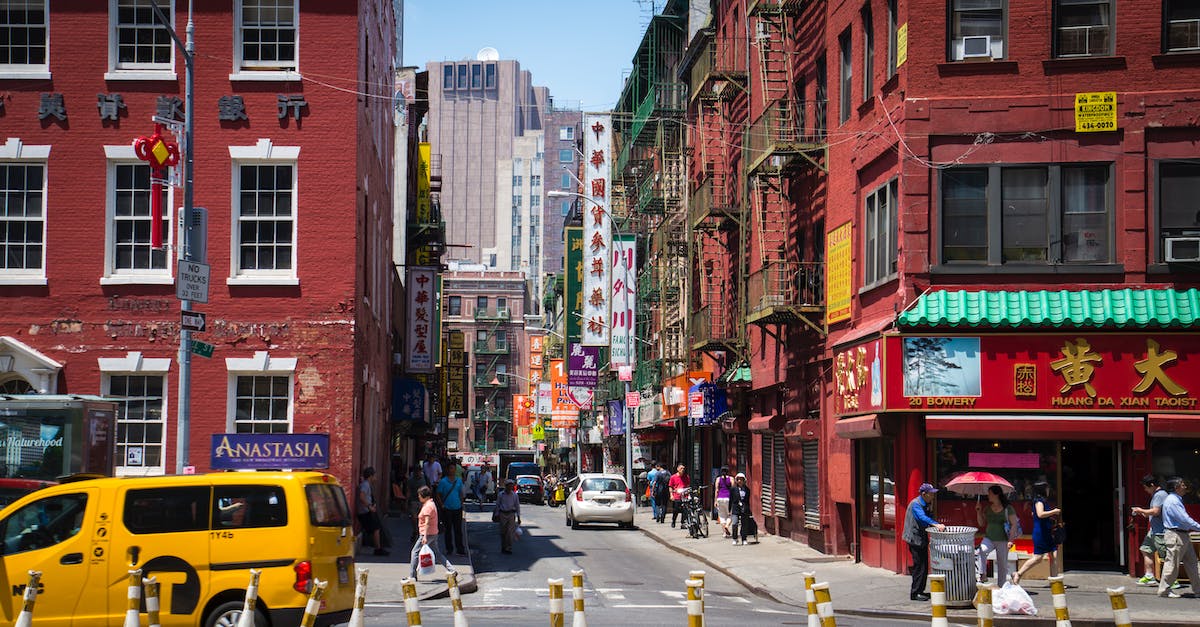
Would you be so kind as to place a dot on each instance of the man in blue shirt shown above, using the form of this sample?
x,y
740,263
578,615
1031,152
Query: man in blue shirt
x,y
1154,541
916,520
1176,525
651,479
450,492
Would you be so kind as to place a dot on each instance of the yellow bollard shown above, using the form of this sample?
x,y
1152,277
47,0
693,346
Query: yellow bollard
x,y
314,603
556,602
824,604
410,602
578,619
152,606
134,605
937,598
460,619
814,620
695,602
698,575
25,618
248,611
1119,607
360,599
1058,592
984,610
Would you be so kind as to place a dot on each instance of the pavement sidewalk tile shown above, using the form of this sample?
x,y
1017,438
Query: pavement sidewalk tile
x,y
775,568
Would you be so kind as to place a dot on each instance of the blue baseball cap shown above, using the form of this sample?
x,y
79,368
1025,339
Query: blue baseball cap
x,y
927,487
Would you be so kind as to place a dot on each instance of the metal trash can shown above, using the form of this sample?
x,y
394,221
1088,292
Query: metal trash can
x,y
952,553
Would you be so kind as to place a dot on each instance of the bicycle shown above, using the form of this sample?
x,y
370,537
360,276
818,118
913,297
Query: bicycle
x,y
695,517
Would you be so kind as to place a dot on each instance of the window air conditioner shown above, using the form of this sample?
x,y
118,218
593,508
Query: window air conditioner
x,y
977,47
1182,248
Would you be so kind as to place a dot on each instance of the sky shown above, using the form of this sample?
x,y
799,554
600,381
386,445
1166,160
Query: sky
x,y
580,49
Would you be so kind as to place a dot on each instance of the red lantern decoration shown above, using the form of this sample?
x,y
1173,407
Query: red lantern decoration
x,y
160,154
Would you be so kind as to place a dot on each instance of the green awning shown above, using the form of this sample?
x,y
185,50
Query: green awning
x,y
1024,309
739,374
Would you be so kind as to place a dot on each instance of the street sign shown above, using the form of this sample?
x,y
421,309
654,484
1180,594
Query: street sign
x,y
192,320
192,284
202,349
633,399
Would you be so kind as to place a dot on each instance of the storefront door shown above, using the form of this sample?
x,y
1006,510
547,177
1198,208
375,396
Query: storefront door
x,y
1092,504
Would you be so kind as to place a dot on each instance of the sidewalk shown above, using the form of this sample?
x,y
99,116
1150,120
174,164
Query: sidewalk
x,y
773,568
387,571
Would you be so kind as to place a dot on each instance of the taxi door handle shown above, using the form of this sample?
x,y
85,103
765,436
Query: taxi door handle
x,y
134,552
71,558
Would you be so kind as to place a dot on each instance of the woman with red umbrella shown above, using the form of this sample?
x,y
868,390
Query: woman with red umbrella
x,y
992,520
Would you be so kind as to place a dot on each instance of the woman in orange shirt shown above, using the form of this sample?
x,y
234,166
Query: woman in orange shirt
x,y
427,527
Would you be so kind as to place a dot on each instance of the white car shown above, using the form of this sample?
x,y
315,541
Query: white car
x,y
600,498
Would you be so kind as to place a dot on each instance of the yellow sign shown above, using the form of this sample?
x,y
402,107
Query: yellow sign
x,y
839,275
902,44
1096,111
537,432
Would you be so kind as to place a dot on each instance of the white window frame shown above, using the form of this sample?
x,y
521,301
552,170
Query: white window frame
x,y
124,155
955,36
243,72
14,152
262,153
134,364
25,71
566,133
884,244
260,365
118,71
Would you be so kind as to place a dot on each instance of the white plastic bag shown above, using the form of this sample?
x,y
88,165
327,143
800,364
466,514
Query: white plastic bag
x,y
520,531
425,561
1012,599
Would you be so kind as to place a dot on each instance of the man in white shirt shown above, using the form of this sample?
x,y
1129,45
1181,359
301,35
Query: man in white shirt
x,y
432,469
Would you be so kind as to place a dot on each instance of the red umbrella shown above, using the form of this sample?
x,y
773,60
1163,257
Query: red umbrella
x,y
976,483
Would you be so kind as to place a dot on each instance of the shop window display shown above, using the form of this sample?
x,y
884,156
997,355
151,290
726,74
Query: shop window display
x,y
1021,463
876,484
1179,458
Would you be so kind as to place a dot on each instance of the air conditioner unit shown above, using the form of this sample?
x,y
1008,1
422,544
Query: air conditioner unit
x,y
1182,248
977,47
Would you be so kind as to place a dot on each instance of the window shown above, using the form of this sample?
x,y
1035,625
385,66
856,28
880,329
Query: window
x,y
821,106
1181,25
809,450
1178,188
893,36
565,209
139,40
517,180
977,29
327,505
868,54
1083,28
22,219
535,201
448,77
876,483
43,523
23,29
881,232
481,303
454,305
565,181
847,76
1036,214
566,133
129,251
489,76
262,404
502,306
462,76
481,337
476,76
773,466
141,426
267,35
516,200
535,180
248,507
264,220
167,510
566,155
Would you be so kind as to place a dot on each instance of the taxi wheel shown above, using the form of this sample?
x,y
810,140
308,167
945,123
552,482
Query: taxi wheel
x,y
227,614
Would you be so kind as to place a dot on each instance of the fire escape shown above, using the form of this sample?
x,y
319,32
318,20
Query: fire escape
x,y
491,382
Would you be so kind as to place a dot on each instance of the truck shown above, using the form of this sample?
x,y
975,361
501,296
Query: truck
x,y
509,456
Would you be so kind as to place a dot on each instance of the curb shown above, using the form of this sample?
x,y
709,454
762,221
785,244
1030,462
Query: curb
x,y
999,620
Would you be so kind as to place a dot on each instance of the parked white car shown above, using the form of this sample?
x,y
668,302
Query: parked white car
x,y
600,498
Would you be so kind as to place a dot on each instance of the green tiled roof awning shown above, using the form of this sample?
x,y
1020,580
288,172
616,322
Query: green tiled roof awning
x,y
737,375
1025,309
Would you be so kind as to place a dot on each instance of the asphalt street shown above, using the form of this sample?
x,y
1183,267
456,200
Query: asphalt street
x,y
629,580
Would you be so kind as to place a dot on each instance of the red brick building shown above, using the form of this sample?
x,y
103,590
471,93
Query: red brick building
x,y
294,167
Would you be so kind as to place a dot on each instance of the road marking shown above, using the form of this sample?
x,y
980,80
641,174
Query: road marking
x,y
631,606
674,594
763,610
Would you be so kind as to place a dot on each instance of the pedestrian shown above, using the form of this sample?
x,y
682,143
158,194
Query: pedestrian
x,y
662,492
1176,525
368,518
427,528
995,519
508,514
487,484
432,469
724,484
451,493
1154,542
414,482
739,510
651,478
679,484
917,519
1045,519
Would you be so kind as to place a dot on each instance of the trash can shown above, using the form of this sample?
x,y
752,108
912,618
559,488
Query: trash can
x,y
952,553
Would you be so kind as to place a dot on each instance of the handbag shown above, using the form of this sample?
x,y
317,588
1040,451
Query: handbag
x,y
425,561
1058,534
1014,531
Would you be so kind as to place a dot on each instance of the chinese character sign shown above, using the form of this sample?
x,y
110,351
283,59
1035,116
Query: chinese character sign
x,y
563,412
597,230
624,302
839,281
583,366
419,350
573,281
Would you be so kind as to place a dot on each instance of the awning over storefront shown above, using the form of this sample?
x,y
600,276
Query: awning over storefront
x,y
1122,308
986,427
1173,425
773,422
808,429
858,427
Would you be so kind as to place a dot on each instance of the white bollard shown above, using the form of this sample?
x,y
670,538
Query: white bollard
x,y
314,603
937,601
824,604
152,603
412,608
556,602
134,606
578,619
360,599
460,619
698,575
25,618
810,599
1116,596
251,601
695,602
984,612
1058,593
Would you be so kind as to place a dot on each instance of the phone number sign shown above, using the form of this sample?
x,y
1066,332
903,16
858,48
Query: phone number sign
x,y
1096,111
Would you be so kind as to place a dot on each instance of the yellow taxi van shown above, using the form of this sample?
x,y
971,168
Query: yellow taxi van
x,y
199,535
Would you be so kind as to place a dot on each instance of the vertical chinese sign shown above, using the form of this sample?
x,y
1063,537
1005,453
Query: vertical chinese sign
x,y
454,372
573,281
421,346
522,420
424,213
624,302
839,281
597,229
583,373
564,414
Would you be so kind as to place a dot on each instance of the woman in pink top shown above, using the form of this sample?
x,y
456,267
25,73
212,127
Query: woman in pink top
x,y
679,484
427,527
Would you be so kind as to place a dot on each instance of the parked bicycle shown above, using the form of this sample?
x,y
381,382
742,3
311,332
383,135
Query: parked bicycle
x,y
695,516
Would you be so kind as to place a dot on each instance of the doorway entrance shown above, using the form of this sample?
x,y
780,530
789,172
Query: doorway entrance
x,y
1092,504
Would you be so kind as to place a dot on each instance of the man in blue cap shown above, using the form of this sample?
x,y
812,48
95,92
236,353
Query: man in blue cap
x,y
916,520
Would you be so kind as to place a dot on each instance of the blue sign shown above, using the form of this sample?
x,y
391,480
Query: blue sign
x,y
263,451
616,418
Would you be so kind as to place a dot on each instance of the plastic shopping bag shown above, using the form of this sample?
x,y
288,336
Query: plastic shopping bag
x,y
1012,599
425,561
520,531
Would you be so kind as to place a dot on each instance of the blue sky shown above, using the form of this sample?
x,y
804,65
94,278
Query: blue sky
x,y
580,49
